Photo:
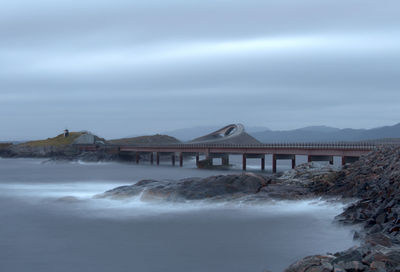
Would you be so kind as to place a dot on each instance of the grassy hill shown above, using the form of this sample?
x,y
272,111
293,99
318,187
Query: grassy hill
x,y
5,145
59,140
152,139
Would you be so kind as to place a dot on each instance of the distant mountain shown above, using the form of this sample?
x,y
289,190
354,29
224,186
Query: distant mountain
x,y
320,129
187,134
327,134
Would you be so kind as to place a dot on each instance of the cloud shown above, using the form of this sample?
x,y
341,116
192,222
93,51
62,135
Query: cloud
x,y
187,63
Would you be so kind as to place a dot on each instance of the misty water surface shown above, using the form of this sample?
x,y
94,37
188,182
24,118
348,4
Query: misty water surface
x,y
41,232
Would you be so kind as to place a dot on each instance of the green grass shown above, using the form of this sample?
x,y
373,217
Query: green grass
x,y
152,139
59,140
5,145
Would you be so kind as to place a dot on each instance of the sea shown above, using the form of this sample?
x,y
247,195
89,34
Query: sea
x,y
51,221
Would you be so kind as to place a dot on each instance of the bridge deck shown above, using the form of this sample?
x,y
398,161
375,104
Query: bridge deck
x,y
315,151
353,150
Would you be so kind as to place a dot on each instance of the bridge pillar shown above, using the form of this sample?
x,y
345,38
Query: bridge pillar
x,y
276,157
158,158
263,162
206,163
348,159
180,159
173,159
197,158
137,157
309,158
225,160
151,158
244,162
320,158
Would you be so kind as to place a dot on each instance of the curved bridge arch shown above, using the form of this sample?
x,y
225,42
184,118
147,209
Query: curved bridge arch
x,y
230,134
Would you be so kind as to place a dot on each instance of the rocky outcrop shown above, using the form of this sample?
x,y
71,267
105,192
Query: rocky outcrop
x,y
59,148
40,151
222,186
377,254
375,181
68,153
293,184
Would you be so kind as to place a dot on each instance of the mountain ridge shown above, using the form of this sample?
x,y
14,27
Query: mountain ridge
x,y
326,134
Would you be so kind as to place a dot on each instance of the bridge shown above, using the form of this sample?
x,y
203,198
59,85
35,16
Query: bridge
x,y
233,140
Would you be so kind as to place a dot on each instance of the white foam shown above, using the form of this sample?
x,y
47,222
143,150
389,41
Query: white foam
x,y
80,162
56,190
87,205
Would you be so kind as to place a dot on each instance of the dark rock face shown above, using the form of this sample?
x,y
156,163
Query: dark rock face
x,y
318,263
365,258
253,187
25,151
375,180
375,175
221,186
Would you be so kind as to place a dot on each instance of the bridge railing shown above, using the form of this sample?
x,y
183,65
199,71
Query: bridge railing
x,y
331,145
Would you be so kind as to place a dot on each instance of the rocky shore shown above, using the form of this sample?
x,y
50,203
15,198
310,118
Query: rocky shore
x,y
375,181
294,184
372,183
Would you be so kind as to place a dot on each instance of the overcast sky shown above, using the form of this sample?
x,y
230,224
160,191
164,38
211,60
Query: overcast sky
x,y
119,67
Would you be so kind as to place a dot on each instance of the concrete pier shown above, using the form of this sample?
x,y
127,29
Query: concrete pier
x,y
276,157
312,158
137,157
173,159
349,159
180,159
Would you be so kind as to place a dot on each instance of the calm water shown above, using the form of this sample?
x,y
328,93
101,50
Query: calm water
x,y
41,232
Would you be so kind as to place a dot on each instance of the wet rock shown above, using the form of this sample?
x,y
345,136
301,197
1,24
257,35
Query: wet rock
x,y
375,181
353,254
352,266
378,239
317,263
378,266
222,186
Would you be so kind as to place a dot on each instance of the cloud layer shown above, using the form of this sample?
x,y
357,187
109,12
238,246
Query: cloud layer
x,y
128,67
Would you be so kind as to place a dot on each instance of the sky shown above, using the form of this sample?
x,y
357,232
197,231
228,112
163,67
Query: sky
x,y
127,67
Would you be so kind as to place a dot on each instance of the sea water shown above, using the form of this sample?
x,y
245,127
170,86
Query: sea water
x,y
51,221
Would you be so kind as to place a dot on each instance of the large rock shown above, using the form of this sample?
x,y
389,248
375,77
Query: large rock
x,y
232,186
